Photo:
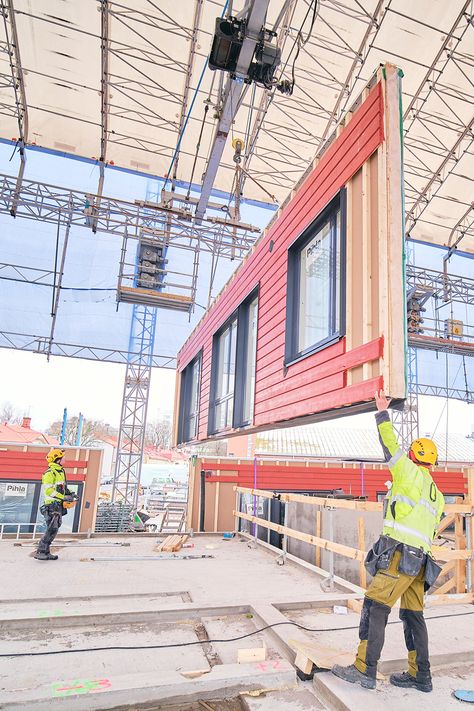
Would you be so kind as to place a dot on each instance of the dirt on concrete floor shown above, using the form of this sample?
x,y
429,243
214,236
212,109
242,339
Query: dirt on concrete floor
x,y
212,705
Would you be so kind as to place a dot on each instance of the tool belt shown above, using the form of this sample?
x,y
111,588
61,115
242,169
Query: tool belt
x,y
54,508
412,560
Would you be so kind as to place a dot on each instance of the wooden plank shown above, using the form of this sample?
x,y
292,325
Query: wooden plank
x,y
366,276
447,586
449,599
447,568
317,559
303,663
355,605
255,654
322,655
346,551
350,504
361,545
460,542
445,523
443,553
216,506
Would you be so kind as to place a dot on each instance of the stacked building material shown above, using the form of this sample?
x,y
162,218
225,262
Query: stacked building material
x,y
113,518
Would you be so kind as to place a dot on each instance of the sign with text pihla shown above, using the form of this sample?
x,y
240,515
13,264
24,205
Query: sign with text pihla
x,y
16,489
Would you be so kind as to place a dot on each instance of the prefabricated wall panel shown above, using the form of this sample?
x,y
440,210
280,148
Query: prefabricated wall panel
x,y
366,160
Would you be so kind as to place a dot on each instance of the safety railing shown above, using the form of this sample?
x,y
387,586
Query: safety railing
x,y
5,530
456,555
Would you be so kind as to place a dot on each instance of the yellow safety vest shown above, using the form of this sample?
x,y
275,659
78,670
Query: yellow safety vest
x,y
54,483
414,503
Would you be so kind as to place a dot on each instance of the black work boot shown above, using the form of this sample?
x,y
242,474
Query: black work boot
x,y
407,681
45,556
354,676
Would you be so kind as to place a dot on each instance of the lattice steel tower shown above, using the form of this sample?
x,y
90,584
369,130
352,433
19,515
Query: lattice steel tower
x,y
136,392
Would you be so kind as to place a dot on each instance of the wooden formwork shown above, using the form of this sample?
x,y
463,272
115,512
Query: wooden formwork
x,y
455,552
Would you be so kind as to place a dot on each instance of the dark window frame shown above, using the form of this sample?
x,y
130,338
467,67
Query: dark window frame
x,y
184,398
211,420
240,316
243,323
292,354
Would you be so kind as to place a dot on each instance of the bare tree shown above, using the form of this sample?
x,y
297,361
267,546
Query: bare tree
x,y
158,434
213,448
9,414
92,431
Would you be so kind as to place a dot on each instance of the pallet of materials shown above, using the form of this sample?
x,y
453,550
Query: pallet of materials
x,y
171,544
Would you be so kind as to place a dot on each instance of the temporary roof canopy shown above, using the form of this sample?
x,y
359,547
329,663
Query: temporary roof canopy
x,y
127,82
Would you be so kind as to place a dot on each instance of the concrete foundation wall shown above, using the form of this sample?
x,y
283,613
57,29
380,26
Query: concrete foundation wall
x,y
302,517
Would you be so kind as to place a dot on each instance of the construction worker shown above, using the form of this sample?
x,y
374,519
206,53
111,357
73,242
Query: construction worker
x,y
400,561
57,499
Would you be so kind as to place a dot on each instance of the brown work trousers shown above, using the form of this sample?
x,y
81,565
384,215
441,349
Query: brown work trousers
x,y
386,588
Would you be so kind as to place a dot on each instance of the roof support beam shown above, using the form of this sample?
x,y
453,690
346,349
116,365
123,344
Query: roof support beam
x,y
187,82
255,11
58,276
104,107
18,85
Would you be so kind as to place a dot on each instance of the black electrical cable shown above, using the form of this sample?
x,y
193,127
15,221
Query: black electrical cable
x,y
214,641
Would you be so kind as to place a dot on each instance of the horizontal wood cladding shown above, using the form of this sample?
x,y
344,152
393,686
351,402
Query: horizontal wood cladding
x,y
321,381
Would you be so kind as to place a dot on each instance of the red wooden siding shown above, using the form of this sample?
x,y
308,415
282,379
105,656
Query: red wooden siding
x,y
317,383
295,476
32,465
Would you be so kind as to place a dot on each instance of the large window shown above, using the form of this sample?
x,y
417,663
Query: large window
x,y
315,307
233,369
225,348
189,401
246,361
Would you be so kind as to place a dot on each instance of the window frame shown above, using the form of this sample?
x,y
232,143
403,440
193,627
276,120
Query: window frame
x,y
240,316
243,328
211,426
329,213
184,417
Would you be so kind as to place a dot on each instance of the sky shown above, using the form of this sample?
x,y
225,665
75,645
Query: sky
x,y
42,389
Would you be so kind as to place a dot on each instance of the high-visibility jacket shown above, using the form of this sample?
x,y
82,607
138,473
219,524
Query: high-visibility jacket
x,y
54,483
414,503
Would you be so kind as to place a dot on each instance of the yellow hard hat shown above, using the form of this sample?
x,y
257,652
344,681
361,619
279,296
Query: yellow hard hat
x,y
69,504
54,455
425,450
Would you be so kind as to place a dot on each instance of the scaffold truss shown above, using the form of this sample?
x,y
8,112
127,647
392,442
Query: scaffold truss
x,y
121,112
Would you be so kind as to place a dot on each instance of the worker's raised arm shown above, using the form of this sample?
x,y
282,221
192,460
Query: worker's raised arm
x,y
401,467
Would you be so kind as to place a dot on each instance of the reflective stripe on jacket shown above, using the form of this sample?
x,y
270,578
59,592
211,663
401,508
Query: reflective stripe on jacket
x,y
54,483
414,502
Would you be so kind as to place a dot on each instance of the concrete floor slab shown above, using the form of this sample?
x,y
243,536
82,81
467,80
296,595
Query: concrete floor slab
x,y
235,571
132,690
341,696
302,698
449,628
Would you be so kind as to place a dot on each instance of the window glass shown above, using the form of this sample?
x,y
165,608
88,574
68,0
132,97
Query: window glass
x,y
189,401
16,502
250,362
315,289
225,376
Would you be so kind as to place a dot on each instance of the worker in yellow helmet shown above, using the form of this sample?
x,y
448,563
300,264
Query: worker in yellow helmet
x,y
400,561
57,500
